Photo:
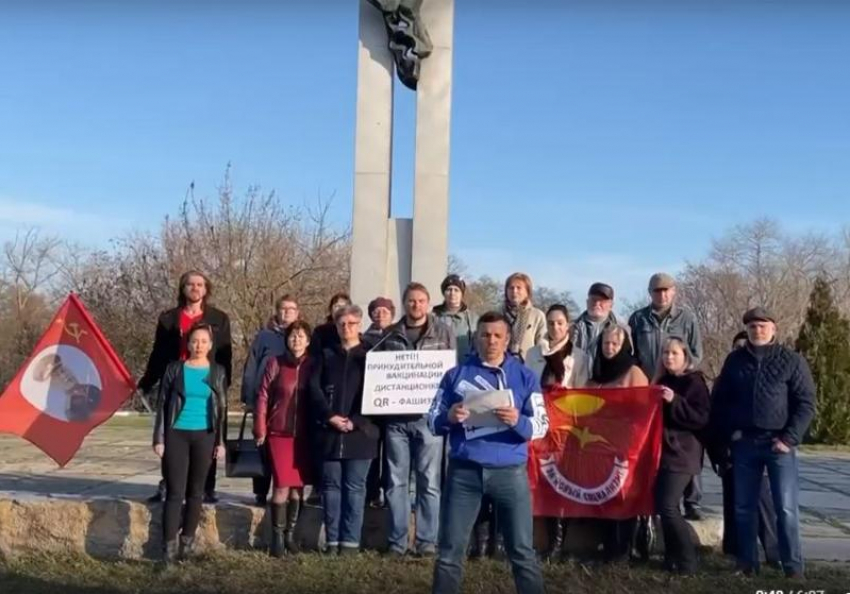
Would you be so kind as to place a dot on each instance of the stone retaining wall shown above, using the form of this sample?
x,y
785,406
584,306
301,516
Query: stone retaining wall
x,y
117,528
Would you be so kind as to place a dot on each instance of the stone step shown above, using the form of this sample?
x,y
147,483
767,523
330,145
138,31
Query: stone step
x,y
120,528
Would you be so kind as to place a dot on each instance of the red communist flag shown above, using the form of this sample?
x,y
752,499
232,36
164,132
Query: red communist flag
x,y
72,382
600,456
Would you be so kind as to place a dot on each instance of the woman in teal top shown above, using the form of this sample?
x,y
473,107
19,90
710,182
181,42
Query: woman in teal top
x,y
194,416
188,436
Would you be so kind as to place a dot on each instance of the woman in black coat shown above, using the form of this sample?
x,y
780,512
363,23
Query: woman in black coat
x,y
346,441
686,412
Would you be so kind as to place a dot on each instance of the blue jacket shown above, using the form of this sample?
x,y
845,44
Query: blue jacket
x,y
490,447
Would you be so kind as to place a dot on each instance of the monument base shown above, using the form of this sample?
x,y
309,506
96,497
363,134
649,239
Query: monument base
x,y
111,528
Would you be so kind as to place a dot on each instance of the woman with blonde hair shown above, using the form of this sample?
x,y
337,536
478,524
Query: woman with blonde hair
x,y
528,324
615,366
686,412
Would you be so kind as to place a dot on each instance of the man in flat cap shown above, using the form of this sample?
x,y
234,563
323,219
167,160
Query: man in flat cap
x,y
650,327
589,325
763,402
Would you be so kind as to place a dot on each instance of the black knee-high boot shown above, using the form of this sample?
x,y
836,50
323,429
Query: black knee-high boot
x,y
292,513
278,512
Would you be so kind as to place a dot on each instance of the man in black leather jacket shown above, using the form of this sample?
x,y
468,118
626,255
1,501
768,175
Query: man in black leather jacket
x,y
169,345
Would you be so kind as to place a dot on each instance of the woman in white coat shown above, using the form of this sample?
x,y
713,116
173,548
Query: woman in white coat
x,y
558,365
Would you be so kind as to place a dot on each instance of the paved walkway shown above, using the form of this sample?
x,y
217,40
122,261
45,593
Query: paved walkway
x,y
117,461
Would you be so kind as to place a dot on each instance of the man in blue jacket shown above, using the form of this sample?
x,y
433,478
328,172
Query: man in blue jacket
x,y
488,461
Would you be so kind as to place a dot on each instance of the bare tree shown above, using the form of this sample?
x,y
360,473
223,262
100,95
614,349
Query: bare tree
x,y
253,248
753,264
27,271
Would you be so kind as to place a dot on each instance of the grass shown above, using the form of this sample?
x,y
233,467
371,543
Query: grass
x,y
256,573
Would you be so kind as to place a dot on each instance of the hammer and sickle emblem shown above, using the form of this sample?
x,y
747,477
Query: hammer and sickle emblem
x,y
74,331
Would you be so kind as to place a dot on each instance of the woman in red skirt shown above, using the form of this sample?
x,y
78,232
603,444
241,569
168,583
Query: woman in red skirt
x,y
282,420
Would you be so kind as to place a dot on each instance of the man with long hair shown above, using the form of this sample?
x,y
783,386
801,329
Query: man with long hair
x,y
169,345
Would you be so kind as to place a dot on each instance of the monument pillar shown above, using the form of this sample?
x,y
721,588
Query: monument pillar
x,y
388,253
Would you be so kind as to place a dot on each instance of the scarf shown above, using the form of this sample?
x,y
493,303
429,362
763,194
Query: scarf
x,y
518,318
555,370
275,325
606,371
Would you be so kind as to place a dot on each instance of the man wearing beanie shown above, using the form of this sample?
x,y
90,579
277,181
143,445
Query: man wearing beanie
x,y
455,314
762,404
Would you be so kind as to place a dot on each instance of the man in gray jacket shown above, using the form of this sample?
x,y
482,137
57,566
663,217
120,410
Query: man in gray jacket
x,y
409,442
663,317
650,326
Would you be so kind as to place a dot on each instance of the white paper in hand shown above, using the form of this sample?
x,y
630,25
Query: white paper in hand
x,y
482,403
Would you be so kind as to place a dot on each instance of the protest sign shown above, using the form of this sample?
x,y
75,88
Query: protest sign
x,y
403,382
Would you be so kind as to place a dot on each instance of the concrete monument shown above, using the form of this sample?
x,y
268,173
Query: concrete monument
x,y
388,253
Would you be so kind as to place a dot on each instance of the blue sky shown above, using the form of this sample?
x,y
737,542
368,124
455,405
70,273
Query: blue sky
x,y
591,140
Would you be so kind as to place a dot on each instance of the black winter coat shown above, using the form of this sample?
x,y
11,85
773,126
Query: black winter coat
x,y
325,336
172,397
167,342
773,395
336,388
684,422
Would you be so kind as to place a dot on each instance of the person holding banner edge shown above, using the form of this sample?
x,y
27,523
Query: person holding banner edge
x,y
615,366
686,413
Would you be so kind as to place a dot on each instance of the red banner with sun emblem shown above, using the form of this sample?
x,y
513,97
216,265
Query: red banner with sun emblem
x,y
73,382
600,456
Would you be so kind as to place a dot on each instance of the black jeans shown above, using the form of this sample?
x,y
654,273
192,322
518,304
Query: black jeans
x,y
693,493
186,462
679,549
766,519
209,482
377,478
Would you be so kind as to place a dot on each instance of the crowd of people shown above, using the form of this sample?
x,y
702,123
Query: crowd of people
x,y
468,487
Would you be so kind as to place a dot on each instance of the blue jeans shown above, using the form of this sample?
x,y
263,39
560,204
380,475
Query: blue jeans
x,y
412,443
750,456
466,484
344,500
